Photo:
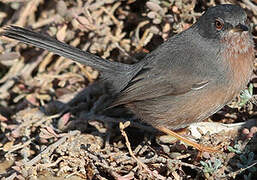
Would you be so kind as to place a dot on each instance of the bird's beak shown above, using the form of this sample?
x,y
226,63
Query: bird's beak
x,y
240,28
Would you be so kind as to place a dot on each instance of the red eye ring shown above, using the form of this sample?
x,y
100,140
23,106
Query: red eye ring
x,y
219,24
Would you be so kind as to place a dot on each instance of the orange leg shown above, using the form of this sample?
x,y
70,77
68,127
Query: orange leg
x,y
199,147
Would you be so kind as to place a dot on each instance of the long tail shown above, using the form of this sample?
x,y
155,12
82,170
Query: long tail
x,y
118,74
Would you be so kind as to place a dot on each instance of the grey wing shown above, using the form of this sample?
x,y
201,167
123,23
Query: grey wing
x,y
174,75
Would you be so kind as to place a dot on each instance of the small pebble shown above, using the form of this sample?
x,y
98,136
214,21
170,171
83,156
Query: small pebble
x,y
157,21
206,155
167,139
253,129
166,149
153,6
62,8
174,155
245,131
152,15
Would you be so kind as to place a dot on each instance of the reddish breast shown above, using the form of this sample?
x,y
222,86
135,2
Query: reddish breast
x,y
239,53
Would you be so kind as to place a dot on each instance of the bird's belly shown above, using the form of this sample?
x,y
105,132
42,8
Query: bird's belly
x,y
175,112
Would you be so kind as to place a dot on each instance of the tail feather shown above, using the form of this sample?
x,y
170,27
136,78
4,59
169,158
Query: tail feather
x,y
118,74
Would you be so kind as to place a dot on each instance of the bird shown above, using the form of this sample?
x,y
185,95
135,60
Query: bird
x,y
186,79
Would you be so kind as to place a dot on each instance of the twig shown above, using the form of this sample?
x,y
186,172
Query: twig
x,y
152,174
47,21
233,174
50,148
186,164
251,6
29,9
20,145
110,13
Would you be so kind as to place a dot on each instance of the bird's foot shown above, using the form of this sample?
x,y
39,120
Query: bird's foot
x,y
189,142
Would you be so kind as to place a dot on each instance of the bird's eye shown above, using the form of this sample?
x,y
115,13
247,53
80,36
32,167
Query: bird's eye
x,y
219,24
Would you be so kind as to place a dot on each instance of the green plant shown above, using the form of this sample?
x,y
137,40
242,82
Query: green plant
x,y
246,95
235,149
209,166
